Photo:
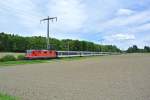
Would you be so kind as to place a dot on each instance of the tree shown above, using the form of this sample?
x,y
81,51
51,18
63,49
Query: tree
x,y
15,43
146,49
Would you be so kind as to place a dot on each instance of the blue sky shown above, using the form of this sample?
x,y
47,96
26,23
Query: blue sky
x,y
117,22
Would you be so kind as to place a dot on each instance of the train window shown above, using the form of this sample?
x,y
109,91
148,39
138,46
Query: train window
x,y
45,52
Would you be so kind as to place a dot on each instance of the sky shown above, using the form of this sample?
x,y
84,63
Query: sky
x,y
115,22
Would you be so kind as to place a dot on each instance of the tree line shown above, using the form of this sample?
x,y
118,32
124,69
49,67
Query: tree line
x,y
16,43
135,49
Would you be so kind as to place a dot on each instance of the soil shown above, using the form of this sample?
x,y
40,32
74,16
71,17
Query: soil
x,y
119,77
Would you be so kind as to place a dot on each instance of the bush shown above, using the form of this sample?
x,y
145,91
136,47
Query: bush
x,y
8,58
20,57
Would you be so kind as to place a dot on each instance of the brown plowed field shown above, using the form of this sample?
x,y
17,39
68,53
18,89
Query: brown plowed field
x,y
121,77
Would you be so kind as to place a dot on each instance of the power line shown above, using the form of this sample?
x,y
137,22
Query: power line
x,y
48,28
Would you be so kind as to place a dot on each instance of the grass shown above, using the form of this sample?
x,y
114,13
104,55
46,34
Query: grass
x,y
2,54
22,62
7,97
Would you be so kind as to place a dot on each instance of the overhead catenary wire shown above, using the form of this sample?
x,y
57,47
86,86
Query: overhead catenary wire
x,y
48,19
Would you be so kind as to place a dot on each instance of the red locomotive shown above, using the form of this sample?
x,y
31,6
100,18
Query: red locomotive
x,y
38,54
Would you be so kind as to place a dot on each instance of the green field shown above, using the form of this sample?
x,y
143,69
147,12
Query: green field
x,y
22,62
2,54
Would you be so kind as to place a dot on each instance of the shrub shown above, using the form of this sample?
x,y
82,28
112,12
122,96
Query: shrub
x,y
20,57
8,58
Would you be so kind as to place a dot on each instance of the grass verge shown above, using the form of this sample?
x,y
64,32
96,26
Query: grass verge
x,y
7,97
22,62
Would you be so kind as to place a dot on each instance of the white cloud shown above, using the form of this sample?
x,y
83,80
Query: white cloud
x,y
133,20
78,19
125,12
122,36
141,28
71,15
119,37
25,11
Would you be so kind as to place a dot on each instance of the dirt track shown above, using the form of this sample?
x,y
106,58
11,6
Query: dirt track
x,y
124,77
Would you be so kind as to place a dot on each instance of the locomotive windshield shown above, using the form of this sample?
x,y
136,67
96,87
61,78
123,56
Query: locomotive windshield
x,y
29,51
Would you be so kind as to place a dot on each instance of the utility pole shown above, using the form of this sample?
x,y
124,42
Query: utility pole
x,y
48,29
68,47
101,43
87,46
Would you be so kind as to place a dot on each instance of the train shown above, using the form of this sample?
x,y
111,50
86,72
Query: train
x,y
46,54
